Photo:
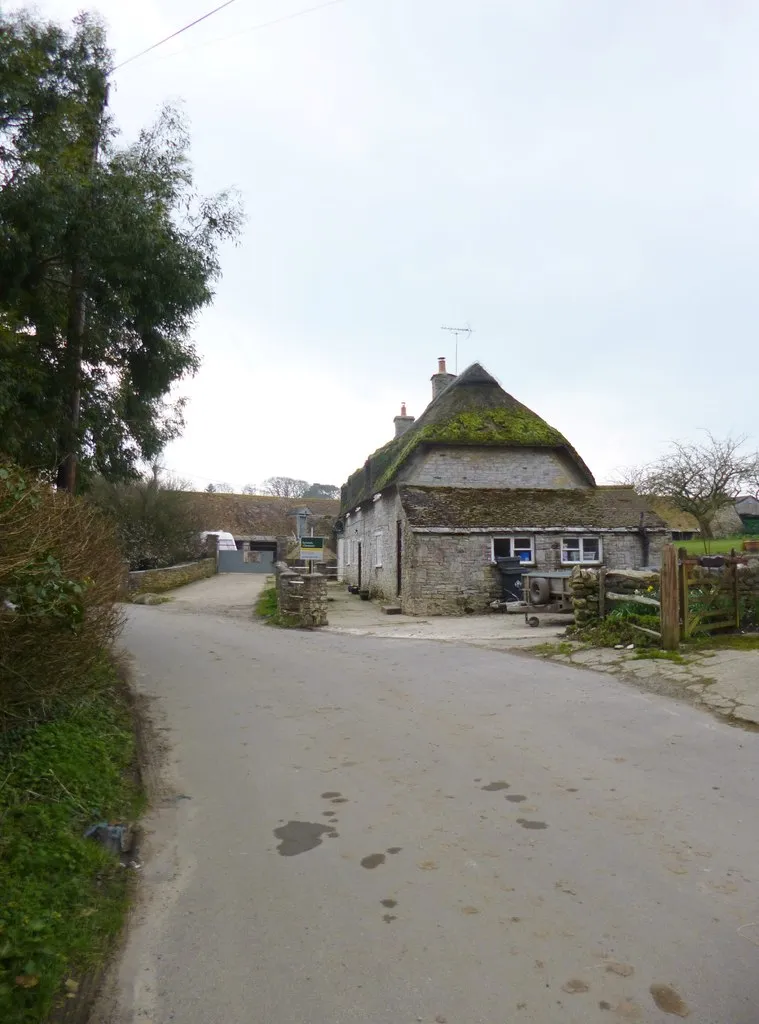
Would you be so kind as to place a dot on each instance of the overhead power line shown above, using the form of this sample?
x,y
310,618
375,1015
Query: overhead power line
x,y
174,34
234,35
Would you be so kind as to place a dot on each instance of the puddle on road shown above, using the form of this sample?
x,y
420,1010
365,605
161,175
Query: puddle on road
x,y
669,1001
389,903
330,795
516,798
493,787
373,860
394,849
301,836
525,823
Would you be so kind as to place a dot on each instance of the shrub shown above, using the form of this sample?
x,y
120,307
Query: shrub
x,y
155,523
61,573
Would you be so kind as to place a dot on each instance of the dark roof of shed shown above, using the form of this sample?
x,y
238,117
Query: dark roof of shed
x,y
472,410
593,508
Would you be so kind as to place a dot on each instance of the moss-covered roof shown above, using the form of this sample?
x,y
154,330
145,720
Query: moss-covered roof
x,y
473,410
472,508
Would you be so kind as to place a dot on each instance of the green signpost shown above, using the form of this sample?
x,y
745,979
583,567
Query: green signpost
x,y
312,549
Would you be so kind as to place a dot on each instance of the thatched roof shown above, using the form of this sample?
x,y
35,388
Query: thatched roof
x,y
474,508
473,410
675,518
260,514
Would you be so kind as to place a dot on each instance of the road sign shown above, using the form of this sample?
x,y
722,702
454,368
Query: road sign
x,y
312,549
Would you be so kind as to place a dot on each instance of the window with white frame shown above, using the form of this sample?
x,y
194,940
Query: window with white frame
x,y
522,548
378,549
580,550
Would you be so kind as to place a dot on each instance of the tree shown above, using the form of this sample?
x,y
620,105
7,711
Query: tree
x,y
322,491
156,521
285,487
700,478
107,255
249,489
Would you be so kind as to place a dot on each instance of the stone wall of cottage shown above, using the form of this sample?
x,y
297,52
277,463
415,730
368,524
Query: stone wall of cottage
x,y
466,466
453,574
374,526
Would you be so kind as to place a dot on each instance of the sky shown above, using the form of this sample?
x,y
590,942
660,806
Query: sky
x,y
577,180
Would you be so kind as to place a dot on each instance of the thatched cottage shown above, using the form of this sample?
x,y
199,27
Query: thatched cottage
x,y
476,477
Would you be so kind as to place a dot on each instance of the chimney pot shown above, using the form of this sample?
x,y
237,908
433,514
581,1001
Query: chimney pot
x,y
442,378
402,422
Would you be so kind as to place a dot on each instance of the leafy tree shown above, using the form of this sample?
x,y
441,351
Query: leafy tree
x,y
699,478
105,260
156,521
285,487
322,491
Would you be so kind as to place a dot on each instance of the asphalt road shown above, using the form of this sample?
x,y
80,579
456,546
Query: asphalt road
x,y
391,831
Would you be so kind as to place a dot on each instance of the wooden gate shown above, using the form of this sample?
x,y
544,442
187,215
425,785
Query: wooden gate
x,y
708,592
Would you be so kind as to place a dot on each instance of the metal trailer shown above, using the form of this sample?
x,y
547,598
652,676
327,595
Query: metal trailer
x,y
546,593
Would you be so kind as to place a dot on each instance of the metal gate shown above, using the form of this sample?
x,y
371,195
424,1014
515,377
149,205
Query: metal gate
x,y
246,561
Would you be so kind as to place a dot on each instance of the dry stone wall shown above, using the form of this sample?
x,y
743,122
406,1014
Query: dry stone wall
x,y
156,581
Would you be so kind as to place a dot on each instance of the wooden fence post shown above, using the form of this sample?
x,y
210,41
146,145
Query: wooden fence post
x,y
670,605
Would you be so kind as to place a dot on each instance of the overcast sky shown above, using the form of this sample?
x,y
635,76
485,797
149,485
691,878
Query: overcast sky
x,y
578,181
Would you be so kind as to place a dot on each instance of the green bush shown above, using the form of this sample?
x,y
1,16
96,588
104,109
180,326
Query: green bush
x,y
155,523
61,573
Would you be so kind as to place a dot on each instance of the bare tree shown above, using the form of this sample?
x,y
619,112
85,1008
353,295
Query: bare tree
x,y
250,489
701,479
285,487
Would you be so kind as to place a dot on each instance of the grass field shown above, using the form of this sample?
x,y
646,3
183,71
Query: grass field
x,y
721,546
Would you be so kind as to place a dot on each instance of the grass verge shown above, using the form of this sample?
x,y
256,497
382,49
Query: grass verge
x,y
718,546
267,608
63,896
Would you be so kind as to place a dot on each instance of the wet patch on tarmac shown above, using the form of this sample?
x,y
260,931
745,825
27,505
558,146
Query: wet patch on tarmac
x,y
669,1001
493,787
394,849
373,860
516,798
526,823
389,903
330,795
575,985
301,836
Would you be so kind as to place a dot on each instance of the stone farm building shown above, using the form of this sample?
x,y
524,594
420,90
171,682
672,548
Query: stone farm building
x,y
479,476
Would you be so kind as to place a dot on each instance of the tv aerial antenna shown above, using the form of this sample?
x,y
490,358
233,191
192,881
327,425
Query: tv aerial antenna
x,y
456,331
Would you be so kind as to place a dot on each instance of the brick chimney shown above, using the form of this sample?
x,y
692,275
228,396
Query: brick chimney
x,y
441,379
402,422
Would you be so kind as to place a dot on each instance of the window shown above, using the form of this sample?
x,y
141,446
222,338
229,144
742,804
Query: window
x,y
522,548
378,549
580,550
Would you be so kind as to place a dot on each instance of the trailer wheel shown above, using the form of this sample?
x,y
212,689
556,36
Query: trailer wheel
x,y
533,621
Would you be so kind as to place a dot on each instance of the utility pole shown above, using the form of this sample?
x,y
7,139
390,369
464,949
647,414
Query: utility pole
x,y
456,331
66,479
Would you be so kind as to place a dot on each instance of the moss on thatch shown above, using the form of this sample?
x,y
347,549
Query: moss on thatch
x,y
473,410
